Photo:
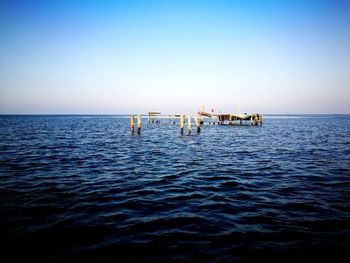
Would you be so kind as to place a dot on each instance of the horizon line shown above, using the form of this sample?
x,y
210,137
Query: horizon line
x,y
126,114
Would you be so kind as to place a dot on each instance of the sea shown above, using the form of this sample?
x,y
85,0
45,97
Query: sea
x,y
83,188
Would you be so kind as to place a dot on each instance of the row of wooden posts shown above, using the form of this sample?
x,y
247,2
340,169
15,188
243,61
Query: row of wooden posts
x,y
132,123
254,119
182,123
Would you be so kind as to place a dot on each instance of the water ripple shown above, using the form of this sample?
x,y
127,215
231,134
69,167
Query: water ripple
x,y
83,188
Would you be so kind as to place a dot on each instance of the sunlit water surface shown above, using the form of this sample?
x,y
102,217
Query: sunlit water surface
x,y
83,188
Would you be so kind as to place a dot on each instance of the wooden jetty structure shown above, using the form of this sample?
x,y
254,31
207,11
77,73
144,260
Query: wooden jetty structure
x,y
219,119
233,119
153,114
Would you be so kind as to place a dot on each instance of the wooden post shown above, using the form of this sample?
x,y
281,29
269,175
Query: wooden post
x,y
139,124
189,124
198,124
149,118
182,124
158,119
132,123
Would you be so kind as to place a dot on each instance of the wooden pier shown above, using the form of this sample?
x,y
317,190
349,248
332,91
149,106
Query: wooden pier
x,y
213,119
232,119
153,114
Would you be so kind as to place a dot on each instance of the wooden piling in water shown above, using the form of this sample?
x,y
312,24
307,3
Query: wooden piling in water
x,y
214,119
198,124
132,123
139,124
182,124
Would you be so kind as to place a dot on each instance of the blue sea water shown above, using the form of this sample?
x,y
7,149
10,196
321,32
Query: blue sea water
x,y
78,188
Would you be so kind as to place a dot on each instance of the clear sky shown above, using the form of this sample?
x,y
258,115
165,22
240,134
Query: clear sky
x,y
174,56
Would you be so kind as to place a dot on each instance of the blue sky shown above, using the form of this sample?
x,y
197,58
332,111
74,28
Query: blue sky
x,y
174,56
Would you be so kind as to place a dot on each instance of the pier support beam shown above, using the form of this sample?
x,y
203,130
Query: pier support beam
x,y
139,124
189,124
182,124
198,124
